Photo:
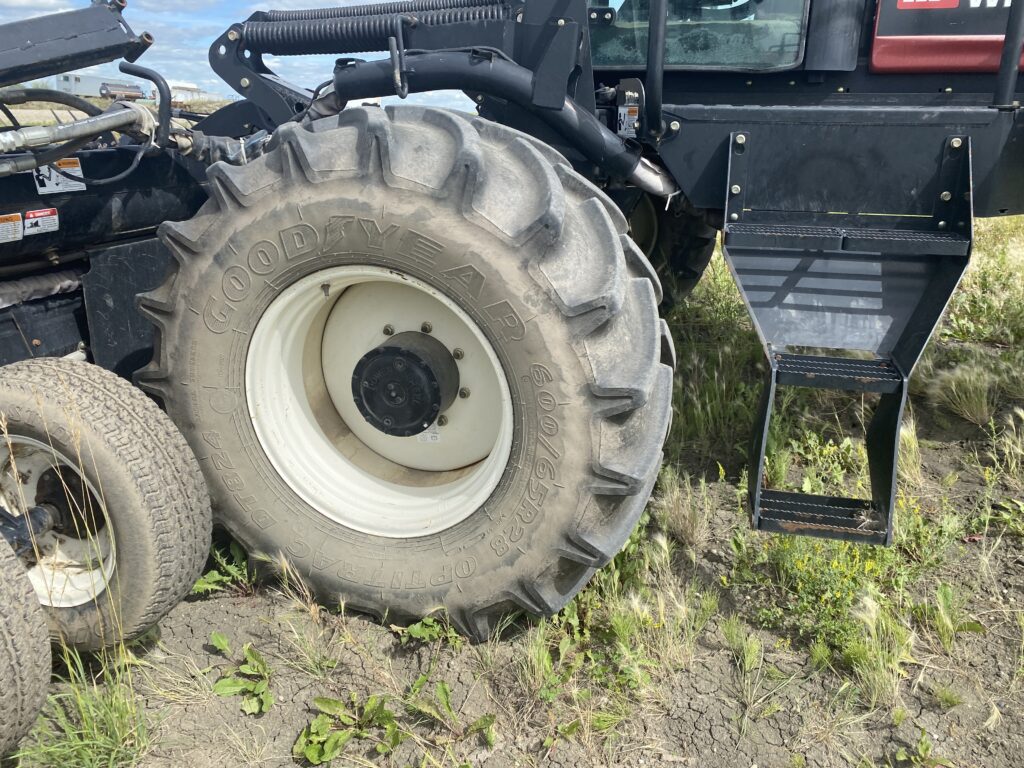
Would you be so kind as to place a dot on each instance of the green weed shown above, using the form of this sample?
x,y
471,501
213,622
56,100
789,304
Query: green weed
x,y
923,755
249,679
947,697
232,572
428,631
436,707
338,723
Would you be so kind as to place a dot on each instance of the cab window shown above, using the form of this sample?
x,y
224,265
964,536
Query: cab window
x,y
743,35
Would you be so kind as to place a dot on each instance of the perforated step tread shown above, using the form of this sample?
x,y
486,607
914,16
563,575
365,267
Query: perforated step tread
x,y
823,516
843,373
893,241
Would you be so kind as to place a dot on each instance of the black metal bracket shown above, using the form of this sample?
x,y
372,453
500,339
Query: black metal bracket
x,y
48,45
870,296
245,71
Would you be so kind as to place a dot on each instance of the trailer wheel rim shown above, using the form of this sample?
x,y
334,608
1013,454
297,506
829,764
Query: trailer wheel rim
x,y
73,565
298,384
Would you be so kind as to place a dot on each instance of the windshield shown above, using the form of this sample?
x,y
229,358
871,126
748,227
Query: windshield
x,y
703,34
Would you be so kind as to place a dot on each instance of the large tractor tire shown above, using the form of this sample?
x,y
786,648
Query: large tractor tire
x,y
24,652
418,357
133,515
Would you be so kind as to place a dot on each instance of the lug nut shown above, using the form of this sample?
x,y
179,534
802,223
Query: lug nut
x,y
426,327
458,354
442,420
389,330
946,197
464,393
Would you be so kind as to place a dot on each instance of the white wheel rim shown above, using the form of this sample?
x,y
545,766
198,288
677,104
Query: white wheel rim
x,y
298,387
69,570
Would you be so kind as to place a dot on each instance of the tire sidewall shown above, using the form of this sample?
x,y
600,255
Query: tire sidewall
x,y
306,229
129,590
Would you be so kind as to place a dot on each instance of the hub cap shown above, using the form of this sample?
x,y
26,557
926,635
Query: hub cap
x,y
74,562
341,351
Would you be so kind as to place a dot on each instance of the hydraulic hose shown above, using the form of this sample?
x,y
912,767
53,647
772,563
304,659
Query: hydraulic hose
x,y
18,95
358,34
469,71
374,9
41,135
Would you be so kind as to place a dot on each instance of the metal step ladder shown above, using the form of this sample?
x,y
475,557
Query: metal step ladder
x,y
845,280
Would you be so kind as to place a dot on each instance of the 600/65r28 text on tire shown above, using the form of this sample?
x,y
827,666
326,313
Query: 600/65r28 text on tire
x,y
286,289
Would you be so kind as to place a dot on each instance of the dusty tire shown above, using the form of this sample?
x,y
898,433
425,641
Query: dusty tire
x,y
137,520
561,295
679,242
24,652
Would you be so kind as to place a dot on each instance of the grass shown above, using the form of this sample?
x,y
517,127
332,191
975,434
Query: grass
x,y
94,718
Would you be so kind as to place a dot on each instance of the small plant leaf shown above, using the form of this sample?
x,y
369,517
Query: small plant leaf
x,y
230,686
483,725
251,705
444,695
334,708
220,642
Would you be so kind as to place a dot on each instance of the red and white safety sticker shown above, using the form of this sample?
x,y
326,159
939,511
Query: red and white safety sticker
x,y
10,227
43,220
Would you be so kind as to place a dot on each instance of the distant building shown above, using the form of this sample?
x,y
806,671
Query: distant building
x,y
189,93
94,85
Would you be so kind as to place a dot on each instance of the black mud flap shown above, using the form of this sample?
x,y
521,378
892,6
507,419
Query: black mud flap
x,y
842,299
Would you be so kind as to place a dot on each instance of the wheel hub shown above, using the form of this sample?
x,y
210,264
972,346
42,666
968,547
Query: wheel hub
x,y
403,385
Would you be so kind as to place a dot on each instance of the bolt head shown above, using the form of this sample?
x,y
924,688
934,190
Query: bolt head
x,y
427,327
734,217
464,393
561,22
741,139
593,15
942,225
442,420
735,189
389,330
674,125
607,17
233,35
458,354
244,82
946,197
956,143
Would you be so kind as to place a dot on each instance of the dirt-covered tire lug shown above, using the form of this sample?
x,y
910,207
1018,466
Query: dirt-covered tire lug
x,y
24,652
134,514
395,219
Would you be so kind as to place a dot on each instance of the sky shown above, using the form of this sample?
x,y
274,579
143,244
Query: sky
x,y
184,30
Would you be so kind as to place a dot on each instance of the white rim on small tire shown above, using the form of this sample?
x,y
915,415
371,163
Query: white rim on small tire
x,y
73,566
298,381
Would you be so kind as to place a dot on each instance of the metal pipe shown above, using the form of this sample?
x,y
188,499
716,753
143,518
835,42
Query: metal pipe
x,y
502,79
163,125
653,125
1009,63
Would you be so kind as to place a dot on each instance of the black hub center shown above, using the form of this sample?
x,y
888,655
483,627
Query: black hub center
x,y
402,386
